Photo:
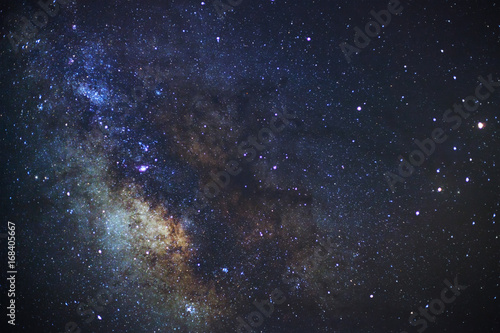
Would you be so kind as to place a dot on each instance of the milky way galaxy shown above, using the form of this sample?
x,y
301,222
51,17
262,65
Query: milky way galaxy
x,y
177,166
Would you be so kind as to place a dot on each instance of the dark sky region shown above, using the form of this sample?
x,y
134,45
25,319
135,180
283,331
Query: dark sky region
x,y
250,166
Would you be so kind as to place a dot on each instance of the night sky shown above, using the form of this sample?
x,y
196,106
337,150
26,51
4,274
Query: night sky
x,y
251,166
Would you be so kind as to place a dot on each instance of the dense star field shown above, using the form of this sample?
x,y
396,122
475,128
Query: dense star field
x,y
250,166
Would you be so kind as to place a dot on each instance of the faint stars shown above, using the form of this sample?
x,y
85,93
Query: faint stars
x,y
343,192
